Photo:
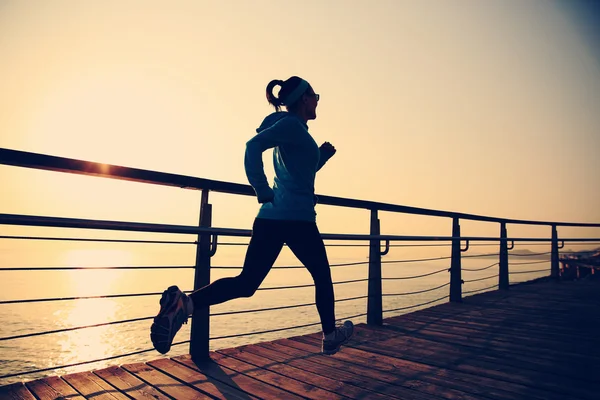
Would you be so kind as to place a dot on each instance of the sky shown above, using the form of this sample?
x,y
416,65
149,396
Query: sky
x,y
483,107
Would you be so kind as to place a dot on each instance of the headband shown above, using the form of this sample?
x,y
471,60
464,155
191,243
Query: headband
x,y
296,93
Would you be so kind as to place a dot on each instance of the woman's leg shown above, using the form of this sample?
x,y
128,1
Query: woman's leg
x,y
265,245
304,239
264,248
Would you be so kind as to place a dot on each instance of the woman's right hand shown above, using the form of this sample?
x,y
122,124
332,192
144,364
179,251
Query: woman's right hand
x,y
266,196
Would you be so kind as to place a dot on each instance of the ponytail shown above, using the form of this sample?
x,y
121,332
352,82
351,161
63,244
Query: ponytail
x,y
274,101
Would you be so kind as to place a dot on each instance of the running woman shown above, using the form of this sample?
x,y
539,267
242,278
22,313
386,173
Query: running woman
x,y
287,216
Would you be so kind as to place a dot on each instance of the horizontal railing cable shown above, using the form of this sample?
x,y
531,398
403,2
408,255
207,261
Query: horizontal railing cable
x,y
311,285
133,353
92,268
72,239
415,260
367,245
240,267
479,290
350,264
529,254
346,245
113,296
351,281
326,245
70,268
74,328
280,307
479,255
429,245
480,269
297,266
481,279
529,272
278,329
583,243
416,305
417,292
262,332
110,296
286,287
417,276
529,262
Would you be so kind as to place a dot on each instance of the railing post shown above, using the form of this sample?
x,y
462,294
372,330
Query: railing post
x,y
199,338
503,280
455,268
374,301
554,269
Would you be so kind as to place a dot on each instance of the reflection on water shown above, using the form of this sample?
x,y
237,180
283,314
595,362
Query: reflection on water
x,y
94,343
86,344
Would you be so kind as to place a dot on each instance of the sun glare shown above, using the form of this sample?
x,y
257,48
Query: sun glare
x,y
93,343
87,344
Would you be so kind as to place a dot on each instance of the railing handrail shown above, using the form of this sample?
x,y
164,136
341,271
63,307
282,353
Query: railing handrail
x,y
80,223
75,166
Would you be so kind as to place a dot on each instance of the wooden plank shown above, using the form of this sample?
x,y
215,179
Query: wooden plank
x,y
324,382
51,388
552,348
556,310
426,345
543,316
514,302
371,388
293,385
520,321
518,314
200,381
15,391
442,343
477,385
504,325
454,358
520,346
89,385
492,309
557,304
235,379
129,384
496,327
360,374
163,382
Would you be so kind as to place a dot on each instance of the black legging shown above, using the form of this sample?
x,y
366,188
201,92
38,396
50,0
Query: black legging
x,y
268,238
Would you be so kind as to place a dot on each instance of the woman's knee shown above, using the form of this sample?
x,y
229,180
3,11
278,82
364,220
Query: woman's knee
x,y
246,288
321,275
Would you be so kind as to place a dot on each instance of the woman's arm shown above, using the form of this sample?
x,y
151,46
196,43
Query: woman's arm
x,y
282,132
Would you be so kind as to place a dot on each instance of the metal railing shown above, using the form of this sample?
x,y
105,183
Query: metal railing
x,y
207,242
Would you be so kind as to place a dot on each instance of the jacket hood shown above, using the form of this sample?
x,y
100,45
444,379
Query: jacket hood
x,y
275,117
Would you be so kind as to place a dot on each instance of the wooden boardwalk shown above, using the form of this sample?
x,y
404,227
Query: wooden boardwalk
x,y
536,341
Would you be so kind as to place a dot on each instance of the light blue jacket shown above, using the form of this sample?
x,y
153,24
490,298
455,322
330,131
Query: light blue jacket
x,y
296,159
